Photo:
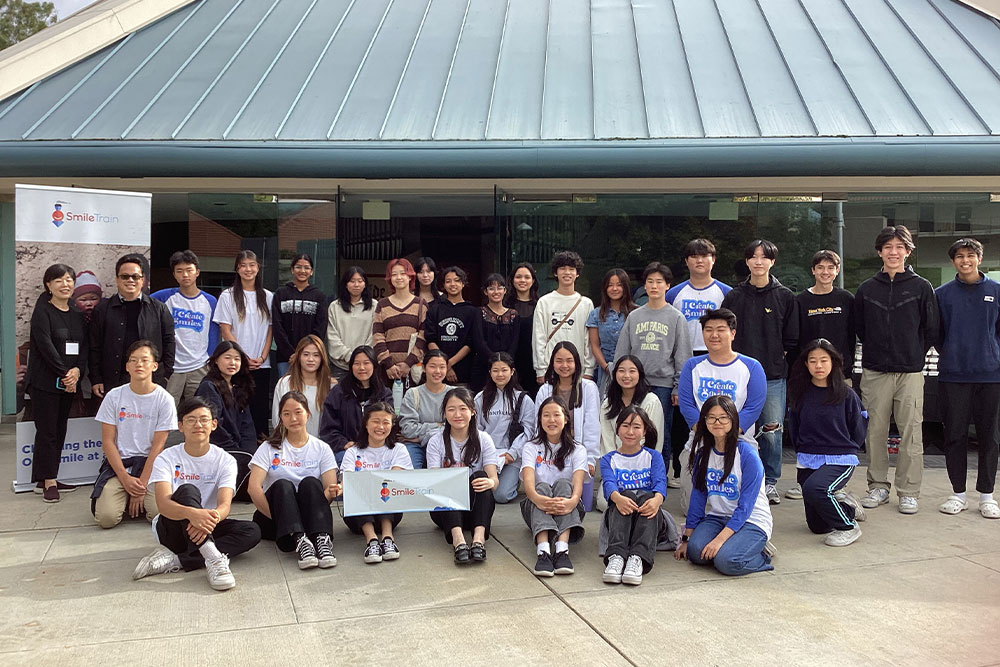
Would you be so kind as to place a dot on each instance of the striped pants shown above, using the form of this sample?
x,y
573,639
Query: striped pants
x,y
823,512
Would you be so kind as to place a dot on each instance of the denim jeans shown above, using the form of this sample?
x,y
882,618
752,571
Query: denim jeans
x,y
663,393
742,553
417,454
509,477
773,412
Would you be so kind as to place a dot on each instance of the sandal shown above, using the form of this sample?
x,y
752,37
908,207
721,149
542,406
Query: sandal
x,y
462,554
478,552
953,505
990,509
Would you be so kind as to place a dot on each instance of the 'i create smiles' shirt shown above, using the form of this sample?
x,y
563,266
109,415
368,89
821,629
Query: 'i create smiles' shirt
x,y
195,334
137,417
535,456
742,380
693,303
376,458
293,463
740,497
436,452
642,471
211,471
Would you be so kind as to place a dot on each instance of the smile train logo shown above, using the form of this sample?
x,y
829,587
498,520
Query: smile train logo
x,y
58,217
384,493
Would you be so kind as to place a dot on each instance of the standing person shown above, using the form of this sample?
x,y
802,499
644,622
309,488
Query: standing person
x,y
563,380
508,415
297,310
495,329
826,312
827,427
729,519
244,317
349,320
895,300
562,316
462,444
398,324
769,327
194,485
420,411
121,320
195,334
293,479
449,326
523,297
658,336
553,467
135,420
635,482
969,375
342,408
58,353
309,374
604,324
427,280
376,448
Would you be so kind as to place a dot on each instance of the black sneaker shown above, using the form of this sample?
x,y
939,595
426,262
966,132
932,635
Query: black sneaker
x,y
562,564
306,553
324,551
543,566
373,552
65,488
389,549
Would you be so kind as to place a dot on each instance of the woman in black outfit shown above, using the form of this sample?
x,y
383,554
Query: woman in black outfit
x,y
58,350
495,329
362,386
522,296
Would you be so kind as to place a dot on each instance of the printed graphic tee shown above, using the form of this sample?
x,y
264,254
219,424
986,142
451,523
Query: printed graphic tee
x,y
294,463
137,417
693,303
195,334
209,472
534,456
642,471
435,452
376,458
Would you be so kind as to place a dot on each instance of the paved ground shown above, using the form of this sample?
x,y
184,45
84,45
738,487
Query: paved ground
x,y
915,590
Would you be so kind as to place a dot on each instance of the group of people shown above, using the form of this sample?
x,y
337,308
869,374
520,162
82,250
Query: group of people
x,y
666,386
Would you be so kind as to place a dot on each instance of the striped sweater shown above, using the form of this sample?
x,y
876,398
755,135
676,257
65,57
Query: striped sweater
x,y
391,331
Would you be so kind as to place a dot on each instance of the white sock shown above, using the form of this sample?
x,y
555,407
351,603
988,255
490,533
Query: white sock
x,y
561,546
543,548
209,551
960,496
985,497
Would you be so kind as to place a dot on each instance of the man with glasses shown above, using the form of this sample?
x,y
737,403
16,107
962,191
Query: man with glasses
x,y
121,320
135,420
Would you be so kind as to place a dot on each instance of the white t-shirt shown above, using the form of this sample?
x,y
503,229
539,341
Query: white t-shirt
x,y
294,463
195,334
533,456
137,417
212,471
251,331
376,458
435,452
315,411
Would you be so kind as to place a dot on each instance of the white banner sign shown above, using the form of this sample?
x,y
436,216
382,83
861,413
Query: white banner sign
x,y
77,215
81,453
391,491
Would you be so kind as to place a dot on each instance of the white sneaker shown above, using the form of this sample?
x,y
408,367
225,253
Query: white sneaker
x,y
907,505
848,498
633,571
770,549
673,482
841,538
794,493
773,497
613,572
220,577
875,497
160,561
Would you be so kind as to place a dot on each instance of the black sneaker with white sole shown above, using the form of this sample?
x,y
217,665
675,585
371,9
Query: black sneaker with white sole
x,y
543,566
373,552
389,549
561,564
306,553
324,551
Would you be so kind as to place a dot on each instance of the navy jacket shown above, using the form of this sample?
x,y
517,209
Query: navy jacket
x,y
970,331
896,320
236,431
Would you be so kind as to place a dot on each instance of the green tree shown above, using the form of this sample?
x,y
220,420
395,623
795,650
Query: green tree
x,y
20,20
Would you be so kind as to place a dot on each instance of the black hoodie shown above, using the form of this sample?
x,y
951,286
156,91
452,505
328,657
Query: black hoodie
x,y
897,321
767,323
295,315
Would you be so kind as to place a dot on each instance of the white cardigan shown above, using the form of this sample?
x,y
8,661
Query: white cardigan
x,y
586,418
609,437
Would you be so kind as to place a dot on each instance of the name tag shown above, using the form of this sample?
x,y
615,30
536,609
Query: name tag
x,y
72,348
988,298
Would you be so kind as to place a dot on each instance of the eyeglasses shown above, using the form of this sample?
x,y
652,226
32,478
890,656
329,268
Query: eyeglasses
x,y
496,288
718,420
140,361
200,421
134,277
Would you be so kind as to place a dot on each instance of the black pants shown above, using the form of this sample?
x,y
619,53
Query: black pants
x,y
260,402
679,434
823,512
51,412
231,537
294,512
355,523
632,534
481,506
242,474
962,402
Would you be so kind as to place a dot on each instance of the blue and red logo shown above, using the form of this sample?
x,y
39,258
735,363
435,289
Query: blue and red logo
x,y
58,217
357,463
275,462
177,471
384,493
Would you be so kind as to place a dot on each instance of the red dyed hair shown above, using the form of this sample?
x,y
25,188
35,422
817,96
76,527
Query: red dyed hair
x,y
405,263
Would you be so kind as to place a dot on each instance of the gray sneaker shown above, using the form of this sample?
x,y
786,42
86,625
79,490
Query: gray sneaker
x,y
841,538
160,561
773,497
907,505
875,497
794,493
848,498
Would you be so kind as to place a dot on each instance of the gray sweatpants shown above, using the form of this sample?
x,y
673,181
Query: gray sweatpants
x,y
538,521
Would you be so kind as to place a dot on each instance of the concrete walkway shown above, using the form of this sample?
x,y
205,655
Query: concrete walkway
x,y
914,590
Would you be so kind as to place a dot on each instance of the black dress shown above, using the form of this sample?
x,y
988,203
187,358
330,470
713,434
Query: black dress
x,y
492,333
523,362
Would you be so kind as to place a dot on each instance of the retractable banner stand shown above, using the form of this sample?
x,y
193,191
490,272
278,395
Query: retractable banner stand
x,y
391,491
88,230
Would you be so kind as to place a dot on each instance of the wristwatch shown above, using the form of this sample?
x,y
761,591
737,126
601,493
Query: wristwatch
x,y
684,538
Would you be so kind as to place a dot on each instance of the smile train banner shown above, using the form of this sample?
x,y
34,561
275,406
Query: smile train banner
x,y
390,491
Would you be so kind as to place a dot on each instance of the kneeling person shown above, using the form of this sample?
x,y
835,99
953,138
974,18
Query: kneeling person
x,y
194,485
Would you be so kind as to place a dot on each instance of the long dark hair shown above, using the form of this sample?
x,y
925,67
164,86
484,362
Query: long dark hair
x,y
242,381
473,448
799,378
491,391
576,392
433,354
361,442
344,297
615,402
54,271
419,264
650,434
510,298
280,432
239,299
350,384
704,441
566,441
627,305
295,380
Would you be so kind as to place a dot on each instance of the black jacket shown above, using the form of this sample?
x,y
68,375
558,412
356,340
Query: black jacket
x,y
236,431
51,329
767,323
341,419
106,339
897,321
295,315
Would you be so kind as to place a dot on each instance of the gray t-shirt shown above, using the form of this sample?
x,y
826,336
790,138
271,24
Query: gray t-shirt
x,y
660,340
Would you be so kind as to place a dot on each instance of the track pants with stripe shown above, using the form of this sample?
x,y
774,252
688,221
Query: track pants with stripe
x,y
824,512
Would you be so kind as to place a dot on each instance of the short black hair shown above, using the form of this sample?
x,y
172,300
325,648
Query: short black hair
x,y
189,405
894,232
131,258
770,250
183,257
969,244
719,314
826,256
657,267
139,344
566,258
458,271
699,247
